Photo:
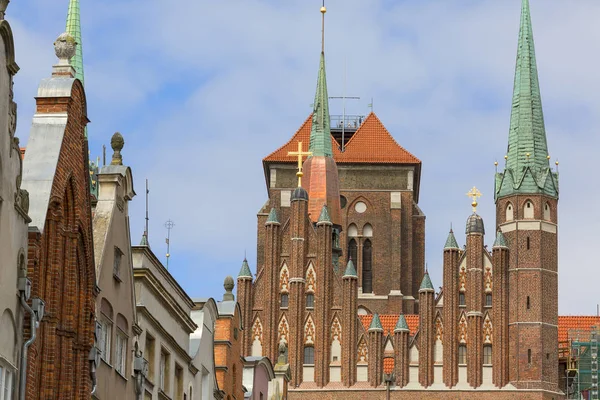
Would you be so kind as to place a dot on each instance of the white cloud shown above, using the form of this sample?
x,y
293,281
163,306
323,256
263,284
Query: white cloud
x,y
203,90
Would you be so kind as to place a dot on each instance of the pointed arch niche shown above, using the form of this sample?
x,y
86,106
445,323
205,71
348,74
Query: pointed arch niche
x,y
367,267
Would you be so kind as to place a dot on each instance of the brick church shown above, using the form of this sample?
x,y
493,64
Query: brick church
x,y
340,277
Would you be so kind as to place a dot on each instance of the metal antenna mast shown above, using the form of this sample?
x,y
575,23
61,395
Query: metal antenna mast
x,y
344,98
169,225
147,218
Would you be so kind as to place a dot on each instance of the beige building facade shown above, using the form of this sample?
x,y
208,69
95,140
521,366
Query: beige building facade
x,y
115,305
164,315
14,204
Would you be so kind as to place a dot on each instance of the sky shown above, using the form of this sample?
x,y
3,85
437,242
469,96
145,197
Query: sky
x,y
203,90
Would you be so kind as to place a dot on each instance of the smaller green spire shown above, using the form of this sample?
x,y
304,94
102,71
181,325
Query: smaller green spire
x,y
451,242
401,325
350,270
144,241
245,271
324,217
273,217
320,133
426,282
500,240
376,324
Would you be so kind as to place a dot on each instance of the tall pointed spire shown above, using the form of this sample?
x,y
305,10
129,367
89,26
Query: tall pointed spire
x,y
527,159
74,29
320,134
321,179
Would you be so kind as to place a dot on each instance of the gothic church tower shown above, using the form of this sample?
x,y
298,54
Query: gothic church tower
x,y
526,196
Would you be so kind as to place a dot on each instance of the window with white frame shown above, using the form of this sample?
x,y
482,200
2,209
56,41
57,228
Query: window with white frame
x,y
106,323
120,352
7,381
164,371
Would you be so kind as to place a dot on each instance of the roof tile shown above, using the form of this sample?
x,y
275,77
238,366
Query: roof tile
x,y
372,143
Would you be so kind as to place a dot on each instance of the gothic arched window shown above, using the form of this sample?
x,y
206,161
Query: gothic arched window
x,y
367,266
510,215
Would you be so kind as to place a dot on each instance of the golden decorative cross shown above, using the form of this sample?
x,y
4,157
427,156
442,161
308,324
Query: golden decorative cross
x,y
299,154
474,194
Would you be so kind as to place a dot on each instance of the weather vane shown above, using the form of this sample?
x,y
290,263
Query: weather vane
x,y
300,154
474,194
169,225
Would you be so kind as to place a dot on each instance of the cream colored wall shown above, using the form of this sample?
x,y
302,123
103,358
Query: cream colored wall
x,y
13,230
111,229
204,381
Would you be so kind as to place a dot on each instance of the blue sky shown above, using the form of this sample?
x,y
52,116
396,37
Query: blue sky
x,y
203,90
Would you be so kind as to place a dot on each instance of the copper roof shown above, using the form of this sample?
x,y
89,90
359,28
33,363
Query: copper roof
x,y
372,143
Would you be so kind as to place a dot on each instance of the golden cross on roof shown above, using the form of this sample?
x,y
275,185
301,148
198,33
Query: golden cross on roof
x,y
474,194
299,154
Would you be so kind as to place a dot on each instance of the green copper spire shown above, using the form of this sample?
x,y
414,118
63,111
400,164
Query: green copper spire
x,y
401,325
74,29
500,240
426,282
527,160
320,134
451,242
245,270
376,324
272,219
324,217
350,270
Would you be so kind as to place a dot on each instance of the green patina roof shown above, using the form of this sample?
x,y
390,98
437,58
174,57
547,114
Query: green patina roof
x,y
500,240
451,242
426,282
523,173
273,217
324,217
376,324
401,325
74,29
320,133
245,270
144,241
350,270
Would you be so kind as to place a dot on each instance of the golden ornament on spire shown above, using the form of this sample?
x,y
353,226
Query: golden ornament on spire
x,y
474,194
323,11
300,154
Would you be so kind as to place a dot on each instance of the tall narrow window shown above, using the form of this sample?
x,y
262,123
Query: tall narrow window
x,y
310,300
149,356
164,370
352,251
461,299
367,266
462,354
528,303
528,243
117,263
309,355
487,355
121,353
285,299
488,300
529,356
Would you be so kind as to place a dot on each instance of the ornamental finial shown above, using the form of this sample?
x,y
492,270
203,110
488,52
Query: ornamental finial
x,y
3,6
117,142
474,194
65,47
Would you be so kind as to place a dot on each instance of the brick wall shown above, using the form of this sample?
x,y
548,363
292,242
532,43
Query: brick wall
x,y
61,266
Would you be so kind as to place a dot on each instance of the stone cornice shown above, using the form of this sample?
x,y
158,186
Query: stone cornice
x,y
170,339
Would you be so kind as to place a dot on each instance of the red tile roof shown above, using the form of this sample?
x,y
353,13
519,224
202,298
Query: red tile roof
x,y
388,321
568,325
388,365
372,143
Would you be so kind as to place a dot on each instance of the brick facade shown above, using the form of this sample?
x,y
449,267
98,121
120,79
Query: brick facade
x,y
61,264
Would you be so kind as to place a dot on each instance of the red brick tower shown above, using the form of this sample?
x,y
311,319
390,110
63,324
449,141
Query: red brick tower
x,y
426,331
452,255
526,196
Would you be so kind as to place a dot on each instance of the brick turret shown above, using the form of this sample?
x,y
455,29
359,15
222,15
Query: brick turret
x,y
244,294
349,324
375,351
451,303
271,292
426,331
401,334
323,298
500,306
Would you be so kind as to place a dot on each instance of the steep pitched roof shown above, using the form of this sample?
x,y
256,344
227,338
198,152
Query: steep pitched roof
x,y
372,143
451,242
567,325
